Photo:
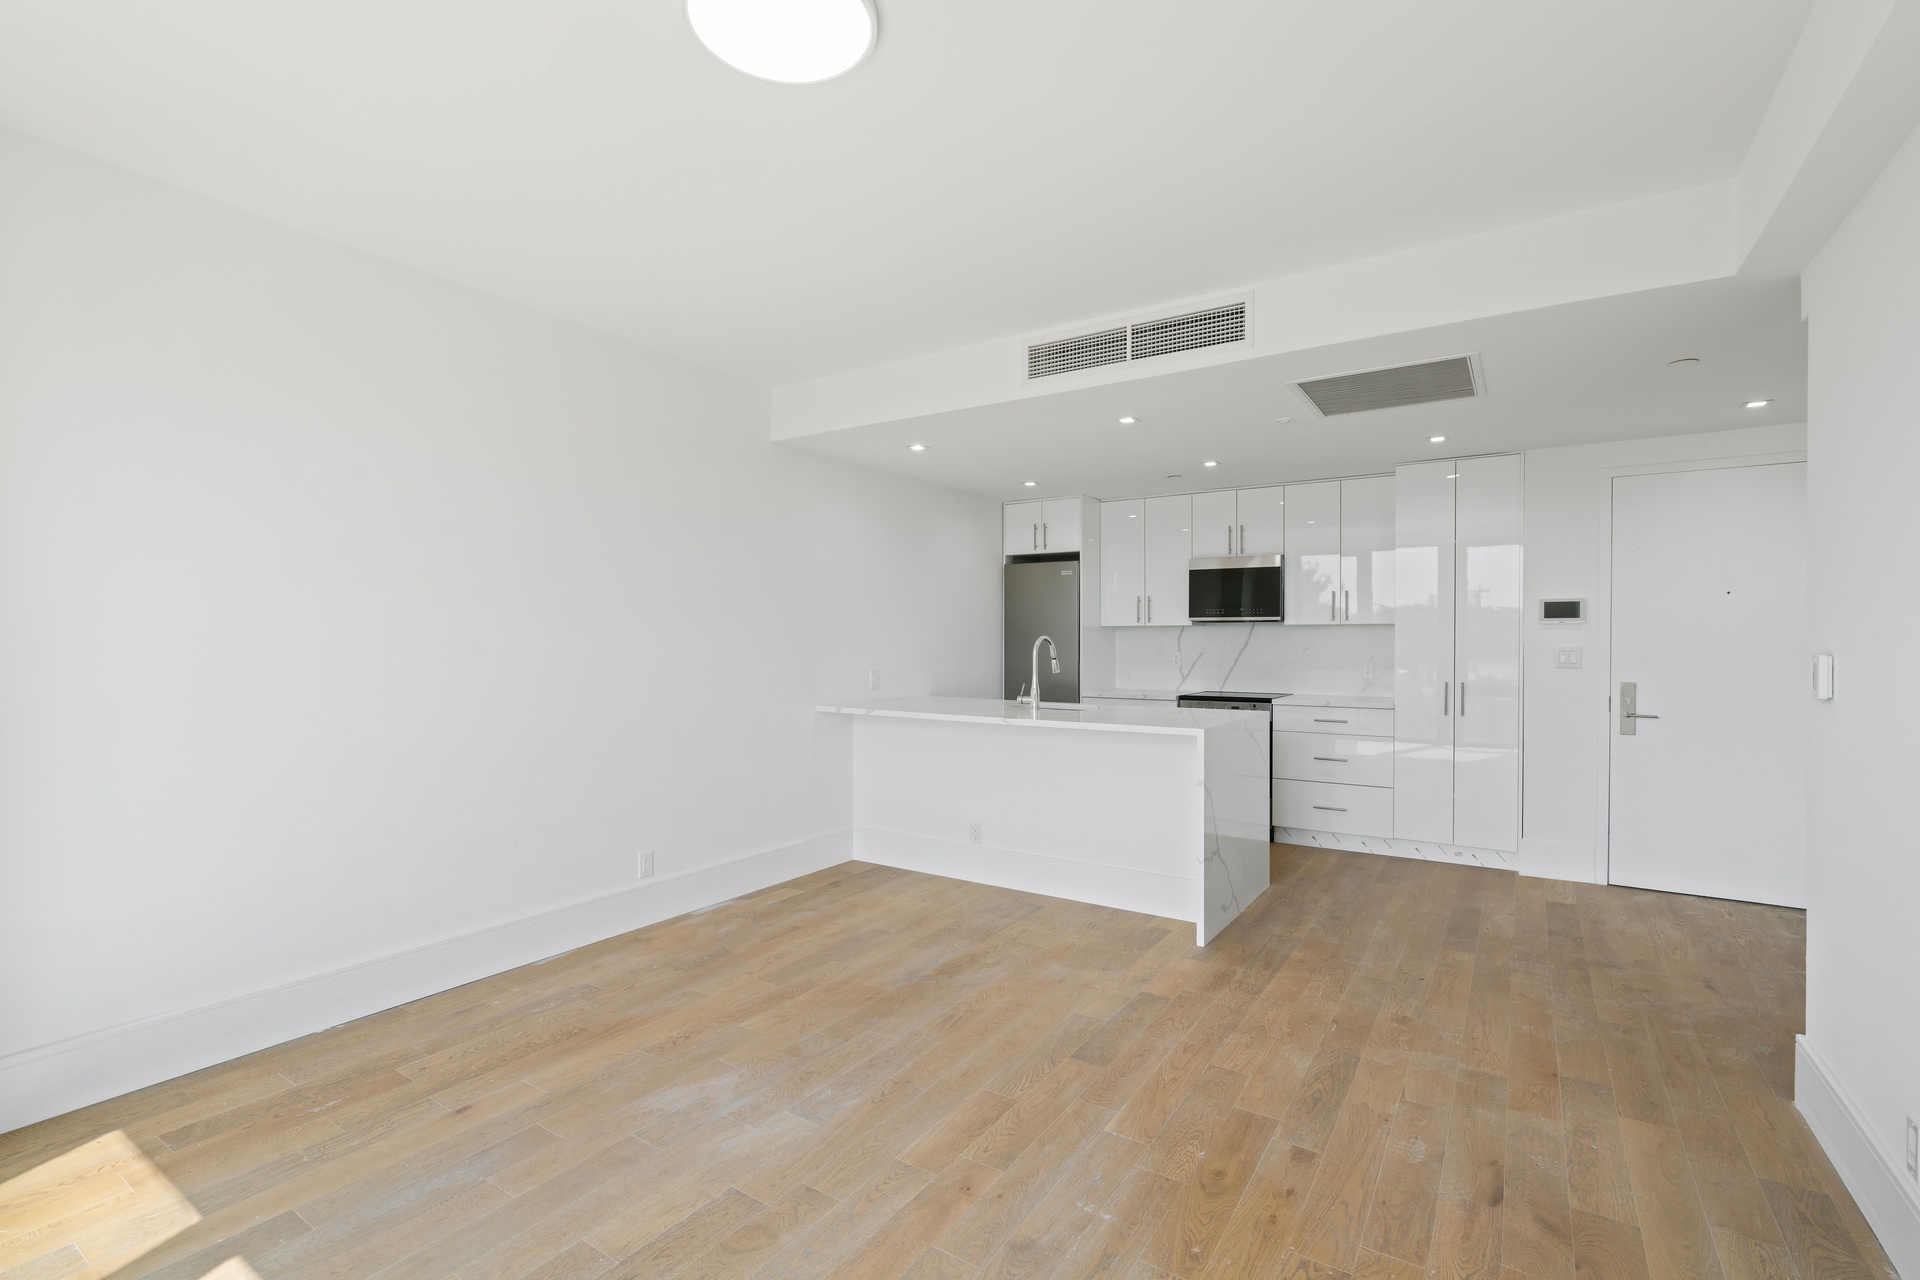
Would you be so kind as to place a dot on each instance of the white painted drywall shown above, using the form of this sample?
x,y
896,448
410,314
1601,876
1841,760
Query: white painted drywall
x,y
1862,298
1569,530
343,609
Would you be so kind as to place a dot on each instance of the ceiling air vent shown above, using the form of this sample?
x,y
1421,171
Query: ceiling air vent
x,y
1162,336
1450,379
1190,332
1088,351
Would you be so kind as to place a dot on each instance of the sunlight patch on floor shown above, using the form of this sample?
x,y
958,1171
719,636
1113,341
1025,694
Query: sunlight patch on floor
x,y
91,1211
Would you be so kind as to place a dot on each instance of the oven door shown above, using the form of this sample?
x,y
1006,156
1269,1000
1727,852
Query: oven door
x,y
1236,589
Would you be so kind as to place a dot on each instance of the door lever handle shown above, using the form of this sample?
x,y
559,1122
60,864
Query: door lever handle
x,y
1639,715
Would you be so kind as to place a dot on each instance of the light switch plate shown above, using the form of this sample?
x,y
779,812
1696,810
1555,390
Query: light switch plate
x,y
1568,657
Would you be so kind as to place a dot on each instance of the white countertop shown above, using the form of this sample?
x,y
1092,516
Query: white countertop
x,y
1357,700
1190,721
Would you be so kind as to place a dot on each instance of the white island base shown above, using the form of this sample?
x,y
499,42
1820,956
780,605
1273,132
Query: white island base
x,y
1153,809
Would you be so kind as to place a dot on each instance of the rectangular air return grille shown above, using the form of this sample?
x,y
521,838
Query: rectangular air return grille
x,y
1212,327
1450,379
1088,351
1189,332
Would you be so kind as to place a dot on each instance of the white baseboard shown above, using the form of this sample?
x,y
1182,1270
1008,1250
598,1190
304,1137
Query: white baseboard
x,y
1880,1187
1148,892
1560,860
51,1079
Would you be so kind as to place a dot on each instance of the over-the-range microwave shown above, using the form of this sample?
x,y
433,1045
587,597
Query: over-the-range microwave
x,y
1236,589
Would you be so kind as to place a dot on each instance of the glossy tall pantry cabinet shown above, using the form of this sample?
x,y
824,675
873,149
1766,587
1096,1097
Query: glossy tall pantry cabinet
x,y
1456,762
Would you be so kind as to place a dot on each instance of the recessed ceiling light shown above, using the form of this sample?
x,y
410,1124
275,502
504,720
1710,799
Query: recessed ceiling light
x,y
1209,464
1128,421
918,448
1436,439
1757,404
1030,483
787,41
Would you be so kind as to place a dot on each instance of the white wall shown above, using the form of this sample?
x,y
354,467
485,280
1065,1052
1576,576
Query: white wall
x,y
344,611
1569,539
1862,298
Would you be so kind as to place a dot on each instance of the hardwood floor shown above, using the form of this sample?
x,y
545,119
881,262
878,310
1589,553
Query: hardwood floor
x,y
1385,1070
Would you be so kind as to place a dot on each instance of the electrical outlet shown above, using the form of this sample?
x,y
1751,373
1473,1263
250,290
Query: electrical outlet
x,y
873,679
974,833
646,863
1913,1149
1366,672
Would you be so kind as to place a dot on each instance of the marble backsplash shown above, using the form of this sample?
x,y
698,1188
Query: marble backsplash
x,y
1249,657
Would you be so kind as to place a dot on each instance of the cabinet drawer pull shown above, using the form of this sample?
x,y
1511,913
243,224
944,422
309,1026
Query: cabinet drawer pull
x,y
1332,759
1330,808
1318,720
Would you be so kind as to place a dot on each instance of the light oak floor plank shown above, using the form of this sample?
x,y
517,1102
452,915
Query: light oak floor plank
x,y
1385,1069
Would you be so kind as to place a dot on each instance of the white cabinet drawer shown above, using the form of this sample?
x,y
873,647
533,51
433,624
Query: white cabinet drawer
x,y
1333,757
1329,806
1365,722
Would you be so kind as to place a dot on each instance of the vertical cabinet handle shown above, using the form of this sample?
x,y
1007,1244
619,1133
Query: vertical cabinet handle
x,y
1136,608
1346,606
1036,537
1229,539
1463,697
1046,538
1243,539
1149,608
1446,696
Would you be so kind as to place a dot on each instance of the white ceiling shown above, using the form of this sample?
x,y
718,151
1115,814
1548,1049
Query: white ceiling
x,y
999,166
1573,374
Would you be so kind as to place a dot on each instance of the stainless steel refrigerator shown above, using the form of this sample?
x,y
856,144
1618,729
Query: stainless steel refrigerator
x,y
1043,598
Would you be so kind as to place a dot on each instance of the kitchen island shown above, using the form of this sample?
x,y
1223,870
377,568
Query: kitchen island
x,y
1161,810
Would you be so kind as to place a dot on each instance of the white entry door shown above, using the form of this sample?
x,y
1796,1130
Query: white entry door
x,y
1709,782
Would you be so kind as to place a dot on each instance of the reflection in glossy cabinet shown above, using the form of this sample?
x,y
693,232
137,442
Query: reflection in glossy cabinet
x,y
1313,553
1169,544
1423,653
1020,527
1486,769
1123,546
1366,549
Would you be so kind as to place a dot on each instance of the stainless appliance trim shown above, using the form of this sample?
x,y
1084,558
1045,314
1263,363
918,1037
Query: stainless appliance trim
x,y
1236,562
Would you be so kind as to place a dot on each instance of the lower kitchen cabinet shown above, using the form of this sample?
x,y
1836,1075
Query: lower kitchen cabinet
x,y
1333,806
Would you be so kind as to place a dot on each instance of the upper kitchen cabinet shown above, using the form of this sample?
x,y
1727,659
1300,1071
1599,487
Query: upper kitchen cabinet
x,y
1263,521
1216,517
1037,528
1020,528
1146,543
1366,549
1123,564
1340,551
1313,553
1239,522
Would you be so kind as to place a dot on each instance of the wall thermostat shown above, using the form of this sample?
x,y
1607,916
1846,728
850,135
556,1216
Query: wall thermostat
x,y
1563,611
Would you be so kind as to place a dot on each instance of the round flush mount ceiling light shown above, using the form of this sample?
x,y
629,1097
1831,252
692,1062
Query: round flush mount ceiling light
x,y
918,448
787,41
1756,404
1127,422
1436,439
1029,483
1209,464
